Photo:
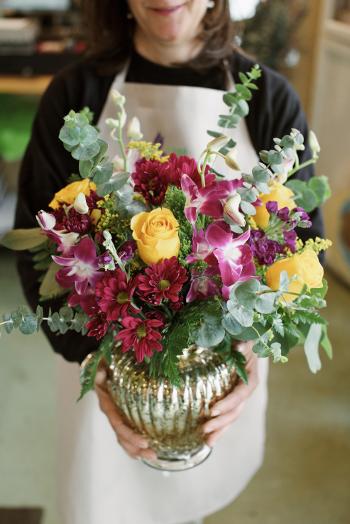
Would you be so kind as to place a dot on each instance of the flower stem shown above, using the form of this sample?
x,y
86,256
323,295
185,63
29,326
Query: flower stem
x,y
298,167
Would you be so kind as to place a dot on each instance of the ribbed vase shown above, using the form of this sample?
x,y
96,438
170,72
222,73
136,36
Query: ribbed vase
x,y
171,417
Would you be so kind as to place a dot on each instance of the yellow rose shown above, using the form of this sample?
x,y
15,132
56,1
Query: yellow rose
x,y
68,194
280,194
305,265
156,235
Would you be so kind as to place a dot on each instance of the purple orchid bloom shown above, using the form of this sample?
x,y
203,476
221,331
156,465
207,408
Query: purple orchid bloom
x,y
201,250
232,252
202,287
81,270
209,200
64,240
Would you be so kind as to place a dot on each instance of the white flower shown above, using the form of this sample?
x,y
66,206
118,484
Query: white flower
x,y
118,163
80,204
232,212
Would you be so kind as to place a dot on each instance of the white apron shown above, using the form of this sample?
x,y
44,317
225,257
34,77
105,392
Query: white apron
x,y
99,483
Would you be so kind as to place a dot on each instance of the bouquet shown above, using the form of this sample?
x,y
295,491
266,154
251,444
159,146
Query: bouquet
x,y
153,252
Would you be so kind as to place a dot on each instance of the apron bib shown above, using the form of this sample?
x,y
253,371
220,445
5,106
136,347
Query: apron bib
x,y
99,483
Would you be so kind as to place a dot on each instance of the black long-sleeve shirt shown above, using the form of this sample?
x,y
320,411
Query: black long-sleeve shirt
x,y
274,110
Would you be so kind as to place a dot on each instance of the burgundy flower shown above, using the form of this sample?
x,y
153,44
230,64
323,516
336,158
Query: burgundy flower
x,y
162,281
149,181
114,294
185,165
143,336
97,326
264,249
202,287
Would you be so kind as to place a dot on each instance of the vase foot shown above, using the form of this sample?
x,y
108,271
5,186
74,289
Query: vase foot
x,y
182,463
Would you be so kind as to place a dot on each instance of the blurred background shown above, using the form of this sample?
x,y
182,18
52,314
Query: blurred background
x,y
306,474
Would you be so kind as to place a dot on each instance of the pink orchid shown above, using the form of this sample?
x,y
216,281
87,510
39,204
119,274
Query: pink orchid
x,y
209,200
201,250
81,269
202,287
233,254
64,240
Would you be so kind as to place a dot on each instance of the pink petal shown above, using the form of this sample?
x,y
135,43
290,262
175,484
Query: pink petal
x,y
86,251
63,261
217,235
46,221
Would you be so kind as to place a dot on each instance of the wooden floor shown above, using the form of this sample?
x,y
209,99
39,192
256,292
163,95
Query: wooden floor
x,y
21,515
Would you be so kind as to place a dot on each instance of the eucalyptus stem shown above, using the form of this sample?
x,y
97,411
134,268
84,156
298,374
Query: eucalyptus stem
x,y
298,167
121,145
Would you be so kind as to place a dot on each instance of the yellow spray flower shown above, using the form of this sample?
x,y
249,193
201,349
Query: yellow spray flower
x,y
280,194
68,194
305,266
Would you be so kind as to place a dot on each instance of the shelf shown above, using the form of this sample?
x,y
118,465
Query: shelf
x,y
19,85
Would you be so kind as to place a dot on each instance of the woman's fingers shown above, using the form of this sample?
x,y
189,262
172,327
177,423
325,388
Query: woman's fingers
x,y
135,452
220,422
214,437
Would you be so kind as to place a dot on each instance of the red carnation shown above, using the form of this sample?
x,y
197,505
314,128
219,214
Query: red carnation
x,y
150,181
185,165
97,326
114,294
162,281
141,335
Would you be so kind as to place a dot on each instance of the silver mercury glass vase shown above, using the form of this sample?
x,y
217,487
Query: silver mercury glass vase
x,y
171,417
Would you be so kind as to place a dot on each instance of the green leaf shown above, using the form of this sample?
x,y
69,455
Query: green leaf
x,y
210,333
102,173
86,167
326,343
265,303
248,208
231,325
88,374
66,313
244,92
21,239
239,361
49,287
29,324
274,157
242,108
321,188
241,314
85,152
246,293
116,183
9,323
229,99
311,347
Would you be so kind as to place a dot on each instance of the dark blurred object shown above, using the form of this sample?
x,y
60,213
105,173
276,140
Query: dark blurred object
x,y
270,35
21,516
342,13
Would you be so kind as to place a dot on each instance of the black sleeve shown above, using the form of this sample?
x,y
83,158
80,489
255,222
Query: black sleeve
x,y
274,110
45,168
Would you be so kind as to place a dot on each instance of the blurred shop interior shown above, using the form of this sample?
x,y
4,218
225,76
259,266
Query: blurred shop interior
x,y
308,41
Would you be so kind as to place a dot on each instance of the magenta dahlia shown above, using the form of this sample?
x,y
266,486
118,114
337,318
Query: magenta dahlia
x,y
143,336
114,293
162,281
149,181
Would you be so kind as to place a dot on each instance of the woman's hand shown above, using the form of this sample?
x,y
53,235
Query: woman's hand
x,y
227,410
134,444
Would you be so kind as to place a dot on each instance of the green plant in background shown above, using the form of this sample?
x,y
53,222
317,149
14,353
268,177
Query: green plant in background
x,y
16,117
269,35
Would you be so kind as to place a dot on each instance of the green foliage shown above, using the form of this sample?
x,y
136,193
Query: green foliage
x,y
311,194
21,239
237,102
88,372
82,140
49,287
175,201
197,323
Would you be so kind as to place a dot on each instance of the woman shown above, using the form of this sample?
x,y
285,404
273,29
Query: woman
x,y
172,59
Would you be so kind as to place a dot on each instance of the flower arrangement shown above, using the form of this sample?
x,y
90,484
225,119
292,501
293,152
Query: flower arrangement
x,y
153,252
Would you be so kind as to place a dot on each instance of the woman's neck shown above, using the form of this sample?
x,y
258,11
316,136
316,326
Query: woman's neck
x,y
166,54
